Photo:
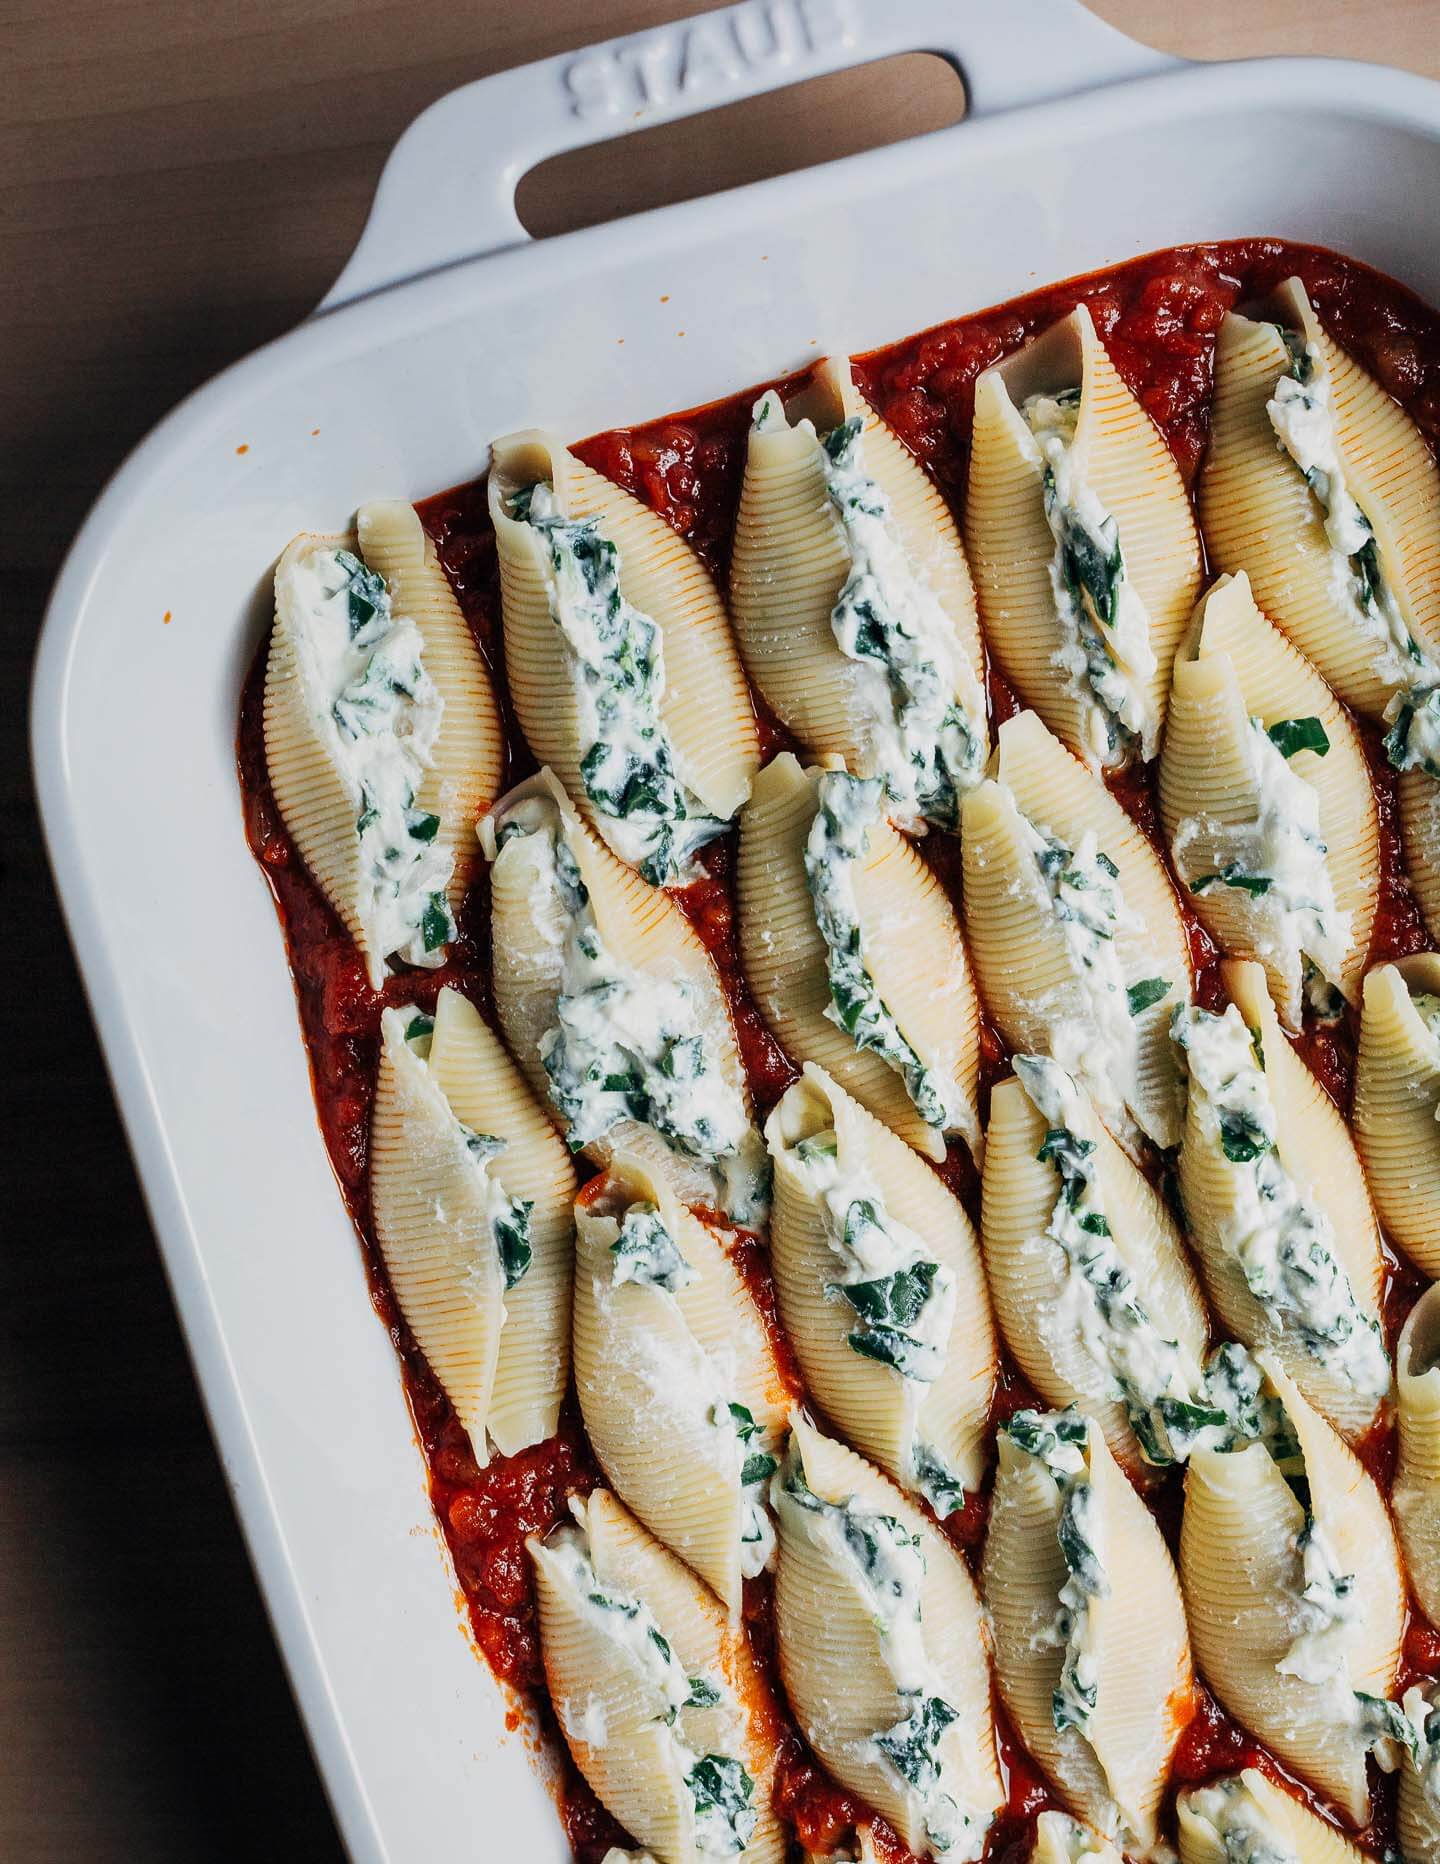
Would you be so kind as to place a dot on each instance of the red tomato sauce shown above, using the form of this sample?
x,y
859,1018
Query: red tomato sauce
x,y
1158,317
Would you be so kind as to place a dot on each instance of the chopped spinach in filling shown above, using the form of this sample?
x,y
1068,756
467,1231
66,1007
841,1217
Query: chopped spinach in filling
x,y
380,713
1303,415
839,837
1104,647
1146,1371
646,1253
617,666
1240,1824
1283,1243
722,1792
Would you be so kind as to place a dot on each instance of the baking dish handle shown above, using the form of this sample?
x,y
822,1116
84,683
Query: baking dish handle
x,y
447,192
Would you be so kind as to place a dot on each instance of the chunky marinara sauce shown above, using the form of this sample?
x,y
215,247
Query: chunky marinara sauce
x,y
1158,317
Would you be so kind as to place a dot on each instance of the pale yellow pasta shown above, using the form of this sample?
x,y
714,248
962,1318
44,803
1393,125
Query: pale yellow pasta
x,y
1130,1623
910,946
450,771
652,985
927,1432
1260,515
1416,1494
1419,1821
1418,795
487,1094
626,1630
1258,1262
1047,1305
1059,1839
1397,1099
667,1339
1241,1815
1285,1667
792,557
704,708
853,1657
1049,991
1232,804
1119,458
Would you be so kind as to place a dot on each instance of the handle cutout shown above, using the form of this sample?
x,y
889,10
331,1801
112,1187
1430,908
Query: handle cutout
x,y
800,126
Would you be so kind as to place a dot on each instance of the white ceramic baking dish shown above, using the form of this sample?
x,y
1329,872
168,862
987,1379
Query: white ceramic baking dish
x,y
449,326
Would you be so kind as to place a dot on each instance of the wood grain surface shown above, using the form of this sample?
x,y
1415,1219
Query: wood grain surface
x,y
180,181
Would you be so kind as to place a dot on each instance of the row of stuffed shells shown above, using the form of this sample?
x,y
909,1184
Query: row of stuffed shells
x,y
1321,488
382,736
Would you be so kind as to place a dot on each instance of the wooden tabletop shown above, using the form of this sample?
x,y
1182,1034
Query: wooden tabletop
x,y
180,182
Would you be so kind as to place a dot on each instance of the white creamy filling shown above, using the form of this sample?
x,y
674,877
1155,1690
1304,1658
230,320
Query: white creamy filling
x,y
923,716
1302,413
378,713
1277,864
1240,1824
1160,1387
899,1302
1105,651
625,1045
615,658
1284,1244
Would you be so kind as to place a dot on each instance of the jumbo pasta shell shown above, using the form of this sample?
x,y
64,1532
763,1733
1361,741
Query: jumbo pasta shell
x,y
1397,1098
791,559
884,1414
1270,1815
705,708
1113,1777
1237,667
910,940
487,1093
1416,1494
1030,1279
1419,1820
1240,1569
1131,470
1259,515
1418,795
1059,1839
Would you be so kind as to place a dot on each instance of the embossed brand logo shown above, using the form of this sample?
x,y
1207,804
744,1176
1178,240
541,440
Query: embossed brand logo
x,y
704,59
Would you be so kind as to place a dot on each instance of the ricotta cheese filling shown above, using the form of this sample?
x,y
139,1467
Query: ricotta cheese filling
x,y
888,1567
899,1302
615,657
1059,1440
1277,862
626,1045
378,713
922,713
1105,651
721,1789
1302,413
838,838
1160,1386
1240,1824
508,1217
1283,1243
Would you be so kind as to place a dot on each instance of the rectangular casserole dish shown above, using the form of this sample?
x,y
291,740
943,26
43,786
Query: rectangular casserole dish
x,y
448,326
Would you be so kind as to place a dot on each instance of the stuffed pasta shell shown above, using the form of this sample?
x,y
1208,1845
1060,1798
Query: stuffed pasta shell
x,y
1268,810
853,953
677,1382
1419,1821
382,737
1086,558
1092,1288
1277,1206
612,1007
883,1649
1321,487
659,1700
881,1291
1415,1497
1075,931
1091,1648
472,1192
1245,1818
1059,1839
619,656
1292,1580
1397,1101
852,599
